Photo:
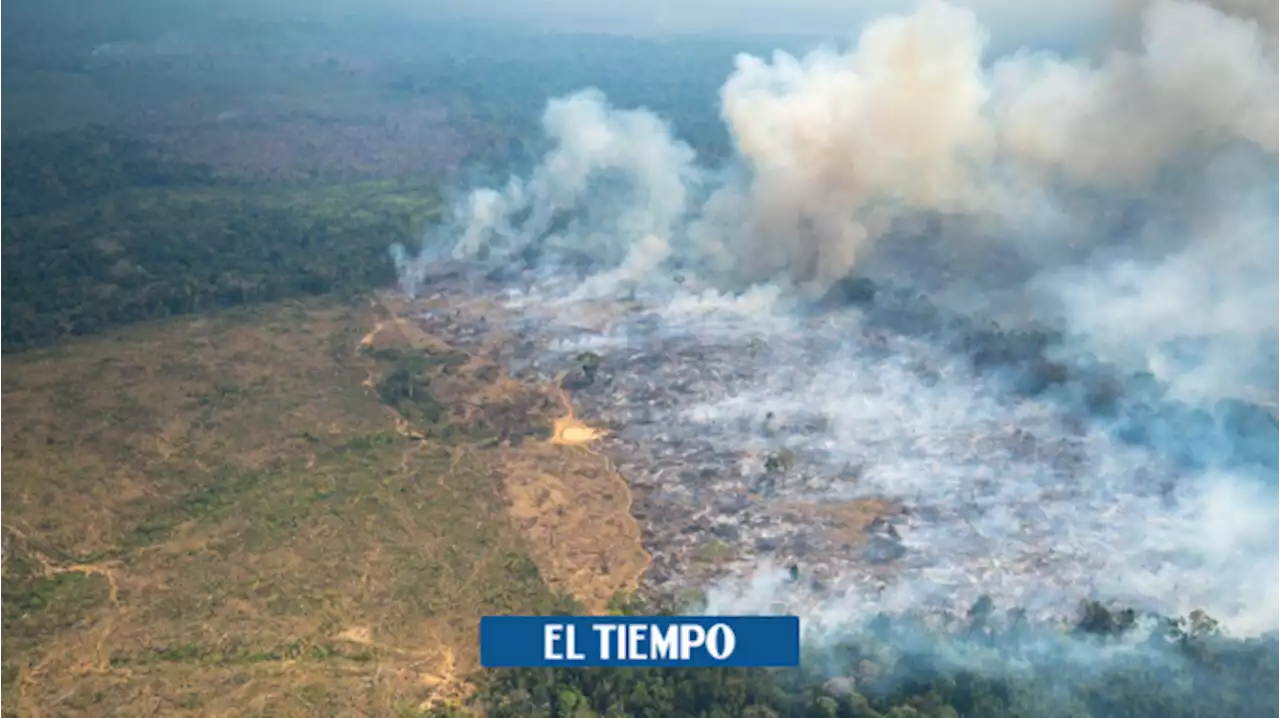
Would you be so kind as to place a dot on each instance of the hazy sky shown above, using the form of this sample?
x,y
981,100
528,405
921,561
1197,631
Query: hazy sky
x,y
1063,24
1010,21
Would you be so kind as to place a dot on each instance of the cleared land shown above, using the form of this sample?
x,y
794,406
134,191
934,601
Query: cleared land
x,y
300,509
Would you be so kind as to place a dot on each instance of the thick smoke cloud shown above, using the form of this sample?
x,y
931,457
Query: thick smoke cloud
x,y
842,151
839,145
1128,196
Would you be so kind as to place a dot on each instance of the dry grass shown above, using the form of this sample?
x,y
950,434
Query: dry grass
x,y
846,521
217,516
572,506
575,510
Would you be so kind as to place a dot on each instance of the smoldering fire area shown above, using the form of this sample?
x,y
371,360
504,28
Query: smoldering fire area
x,y
949,328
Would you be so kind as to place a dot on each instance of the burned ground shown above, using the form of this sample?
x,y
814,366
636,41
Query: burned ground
x,y
706,510
983,441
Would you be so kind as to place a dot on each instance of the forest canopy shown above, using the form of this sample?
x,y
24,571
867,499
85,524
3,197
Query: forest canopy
x,y
101,230
1187,669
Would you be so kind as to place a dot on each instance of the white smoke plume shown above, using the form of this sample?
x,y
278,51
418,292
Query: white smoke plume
x,y
597,150
836,146
1139,184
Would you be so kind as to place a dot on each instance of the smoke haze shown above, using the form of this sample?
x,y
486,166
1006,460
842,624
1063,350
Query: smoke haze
x,y
1126,196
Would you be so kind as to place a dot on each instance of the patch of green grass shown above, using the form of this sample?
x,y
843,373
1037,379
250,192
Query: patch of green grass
x,y
209,500
32,594
418,361
713,550
8,673
36,605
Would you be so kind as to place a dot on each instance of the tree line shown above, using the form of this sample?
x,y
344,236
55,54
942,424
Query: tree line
x,y
1183,668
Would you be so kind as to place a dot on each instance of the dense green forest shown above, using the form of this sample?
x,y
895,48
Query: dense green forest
x,y
100,230
1183,669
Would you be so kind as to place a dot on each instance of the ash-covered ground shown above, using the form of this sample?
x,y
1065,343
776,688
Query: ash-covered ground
x,y
897,458
948,325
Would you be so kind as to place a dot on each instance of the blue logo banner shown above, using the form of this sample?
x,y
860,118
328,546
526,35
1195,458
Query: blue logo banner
x,y
639,641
